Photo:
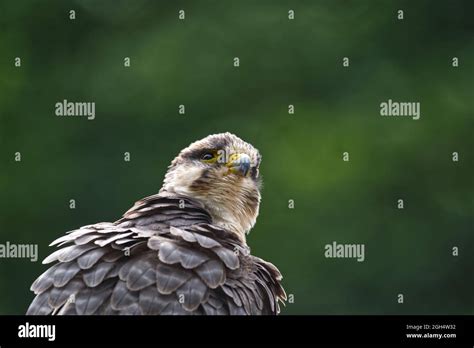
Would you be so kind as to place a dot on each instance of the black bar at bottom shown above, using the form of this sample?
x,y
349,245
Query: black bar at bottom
x,y
414,330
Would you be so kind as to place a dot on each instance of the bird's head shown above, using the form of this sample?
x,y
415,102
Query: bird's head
x,y
220,171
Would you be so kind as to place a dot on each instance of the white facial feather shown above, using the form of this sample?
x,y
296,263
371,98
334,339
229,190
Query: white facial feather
x,y
232,200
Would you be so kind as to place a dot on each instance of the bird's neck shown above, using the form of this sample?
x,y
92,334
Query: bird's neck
x,y
229,220
223,215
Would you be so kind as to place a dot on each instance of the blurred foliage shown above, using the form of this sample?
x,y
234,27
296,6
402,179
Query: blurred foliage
x,y
282,62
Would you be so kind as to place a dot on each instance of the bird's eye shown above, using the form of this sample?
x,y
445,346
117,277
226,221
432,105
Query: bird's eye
x,y
208,156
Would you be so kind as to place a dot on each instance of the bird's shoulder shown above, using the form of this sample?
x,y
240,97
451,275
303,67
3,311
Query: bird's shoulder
x,y
163,257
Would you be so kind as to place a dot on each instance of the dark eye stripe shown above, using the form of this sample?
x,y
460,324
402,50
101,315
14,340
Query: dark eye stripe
x,y
198,154
254,172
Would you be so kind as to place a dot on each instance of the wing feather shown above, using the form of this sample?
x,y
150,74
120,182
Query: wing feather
x,y
159,259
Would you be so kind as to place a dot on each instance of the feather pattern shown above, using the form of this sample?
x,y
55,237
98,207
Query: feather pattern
x,y
159,259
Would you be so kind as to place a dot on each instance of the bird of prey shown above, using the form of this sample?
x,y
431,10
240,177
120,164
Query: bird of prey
x,y
181,251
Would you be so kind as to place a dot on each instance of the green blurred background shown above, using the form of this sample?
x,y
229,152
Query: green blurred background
x,y
282,62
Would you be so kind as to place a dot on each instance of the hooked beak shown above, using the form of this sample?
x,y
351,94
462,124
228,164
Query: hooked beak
x,y
239,163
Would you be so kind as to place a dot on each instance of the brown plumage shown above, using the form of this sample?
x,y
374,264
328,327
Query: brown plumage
x,y
181,251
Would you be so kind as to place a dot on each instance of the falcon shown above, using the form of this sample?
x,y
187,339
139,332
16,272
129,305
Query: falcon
x,y
182,251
